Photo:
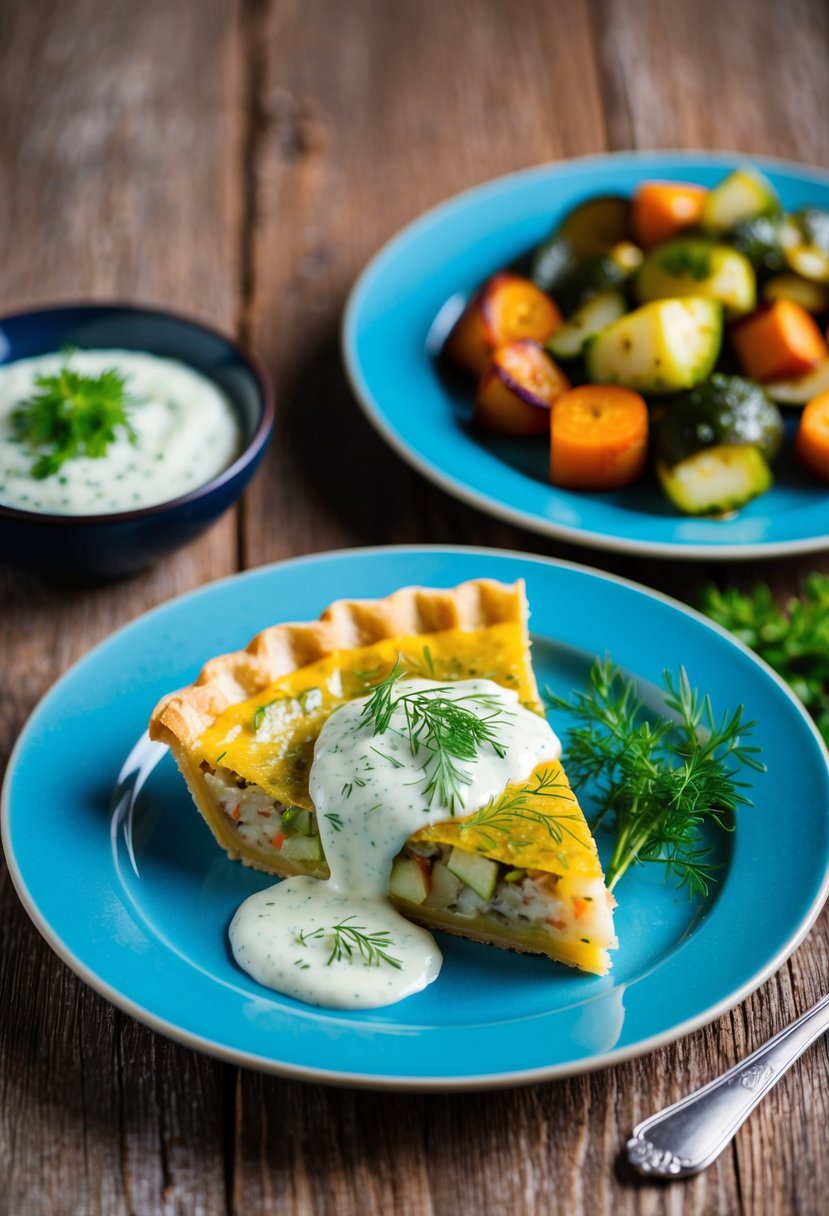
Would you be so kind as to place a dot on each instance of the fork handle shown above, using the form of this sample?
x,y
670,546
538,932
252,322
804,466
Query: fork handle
x,y
686,1137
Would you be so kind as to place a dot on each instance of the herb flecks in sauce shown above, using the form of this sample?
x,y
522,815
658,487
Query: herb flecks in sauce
x,y
109,431
446,750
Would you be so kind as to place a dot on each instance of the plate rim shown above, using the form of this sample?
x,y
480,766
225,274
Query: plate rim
x,y
402,1082
479,499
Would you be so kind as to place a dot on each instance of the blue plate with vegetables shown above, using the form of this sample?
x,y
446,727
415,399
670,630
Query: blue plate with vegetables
x,y
127,884
627,351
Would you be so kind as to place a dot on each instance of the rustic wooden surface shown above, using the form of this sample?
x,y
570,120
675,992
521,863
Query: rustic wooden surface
x,y
242,161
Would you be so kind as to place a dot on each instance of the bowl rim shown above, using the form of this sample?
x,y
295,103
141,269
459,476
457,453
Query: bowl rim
x,y
249,453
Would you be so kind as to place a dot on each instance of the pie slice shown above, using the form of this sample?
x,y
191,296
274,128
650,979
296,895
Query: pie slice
x,y
521,872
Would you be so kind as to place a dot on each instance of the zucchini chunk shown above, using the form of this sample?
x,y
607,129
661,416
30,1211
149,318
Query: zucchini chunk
x,y
740,196
597,224
812,296
809,255
659,348
764,239
722,411
716,480
569,341
697,267
478,872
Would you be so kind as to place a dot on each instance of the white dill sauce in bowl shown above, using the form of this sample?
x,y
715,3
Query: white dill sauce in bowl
x,y
184,432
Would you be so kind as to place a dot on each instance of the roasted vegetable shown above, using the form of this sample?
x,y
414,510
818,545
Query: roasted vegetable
x,y
802,389
808,255
569,341
716,480
745,193
697,267
598,438
659,348
661,210
515,392
583,255
596,225
508,307
812,296
778,342
812,441
721,411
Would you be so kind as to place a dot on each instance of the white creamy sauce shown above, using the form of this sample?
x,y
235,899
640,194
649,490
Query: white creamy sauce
x,y
371,793
187,432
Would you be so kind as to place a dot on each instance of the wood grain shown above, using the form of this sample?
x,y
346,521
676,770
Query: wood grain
x,y
119,133
242,162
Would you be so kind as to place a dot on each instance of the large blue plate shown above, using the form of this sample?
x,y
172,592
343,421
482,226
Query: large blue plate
x,y
400,307
138,903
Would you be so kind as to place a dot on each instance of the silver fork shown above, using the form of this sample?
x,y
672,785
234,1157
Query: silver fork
x,y
686,1137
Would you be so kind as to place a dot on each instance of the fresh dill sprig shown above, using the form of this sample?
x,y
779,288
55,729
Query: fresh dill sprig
x,y
441,724
657,781
371,947
72,414
794,639
500,815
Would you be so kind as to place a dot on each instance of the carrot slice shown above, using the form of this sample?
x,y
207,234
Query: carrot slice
x,y
662,209
598,438
812,441
517,389
779,342
506,308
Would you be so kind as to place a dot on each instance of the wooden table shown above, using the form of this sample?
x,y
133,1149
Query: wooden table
x,y
241,161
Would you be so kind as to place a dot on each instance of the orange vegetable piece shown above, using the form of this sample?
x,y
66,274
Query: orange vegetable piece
x,y
507,307
812,440
661,210
779,342
516,391
598,438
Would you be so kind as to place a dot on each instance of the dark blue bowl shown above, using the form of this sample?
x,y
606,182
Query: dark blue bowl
x,y
112,546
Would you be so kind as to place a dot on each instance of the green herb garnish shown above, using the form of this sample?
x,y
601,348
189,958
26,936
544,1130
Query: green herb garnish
x,y
72,414
348,939
793,640
500,815
657,781
441,725
687,261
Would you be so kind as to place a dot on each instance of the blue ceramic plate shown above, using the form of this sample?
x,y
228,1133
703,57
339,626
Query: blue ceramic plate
x,y
404,302
137,899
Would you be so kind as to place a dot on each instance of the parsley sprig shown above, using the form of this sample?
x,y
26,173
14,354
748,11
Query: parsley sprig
x,y
794,639
657,781
440,723
72,414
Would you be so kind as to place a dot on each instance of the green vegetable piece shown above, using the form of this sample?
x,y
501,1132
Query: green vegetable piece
x,y
813,223
597,225
743,194
692,266
721,410
716,480
479,873
569,341
72,414
763,239
659,348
